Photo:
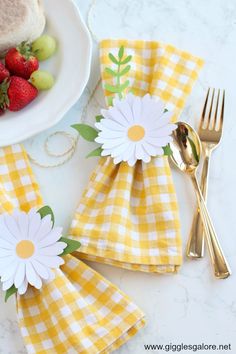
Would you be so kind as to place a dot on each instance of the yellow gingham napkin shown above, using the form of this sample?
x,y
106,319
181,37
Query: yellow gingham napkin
x,y
77,312
128,216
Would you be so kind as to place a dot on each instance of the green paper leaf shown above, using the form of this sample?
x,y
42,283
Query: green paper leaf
x,y
10,292
46,210
125,70
86,131
193,146
110,88
94,153
72,245
117,89
121,52
117,73
113,59
124,86
110,72
167,150
110,101
126,60
99,118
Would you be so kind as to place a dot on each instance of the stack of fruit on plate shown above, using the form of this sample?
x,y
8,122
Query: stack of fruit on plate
x,y
20,76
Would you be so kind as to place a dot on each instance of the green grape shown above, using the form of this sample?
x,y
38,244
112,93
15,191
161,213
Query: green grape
x,y
42,80
44,47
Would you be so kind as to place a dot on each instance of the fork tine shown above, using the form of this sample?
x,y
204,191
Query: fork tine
x,y
204,109
216,111
210,111
222,111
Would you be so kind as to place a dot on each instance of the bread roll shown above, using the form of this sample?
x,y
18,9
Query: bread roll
x,y
20,20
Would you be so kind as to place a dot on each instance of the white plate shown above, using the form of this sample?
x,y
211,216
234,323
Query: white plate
x,y
70,66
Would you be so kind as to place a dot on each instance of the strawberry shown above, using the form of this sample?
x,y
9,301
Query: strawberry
x,y
20,61
4,73
16,93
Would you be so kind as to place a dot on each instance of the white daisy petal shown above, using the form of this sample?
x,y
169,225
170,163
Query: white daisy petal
x,y
20,275
5,262
34,223
22,220
131,161
38,282
151,149
50,261
53,250
116,101
117,160
5,233
159,142
109,116
42,271
51,275
10,271
137,110
5,244
32,277
109,124
160,152
120,150
33,211
110,134
7,284
146,99
5,252
164,119
117,116
130,155
23,288
153,110
161,132
123,107
12,226
106,152
110,142
130,98
146,158
51,238
126,110
45,228
113,143
139,152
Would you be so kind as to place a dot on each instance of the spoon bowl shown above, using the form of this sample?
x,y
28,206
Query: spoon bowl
x,y
186,147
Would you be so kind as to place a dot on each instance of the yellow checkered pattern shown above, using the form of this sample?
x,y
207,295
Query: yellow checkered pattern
x,y
77,312
18,187
128,216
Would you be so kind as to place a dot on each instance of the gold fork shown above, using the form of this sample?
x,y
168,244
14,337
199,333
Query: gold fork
x,y
210,133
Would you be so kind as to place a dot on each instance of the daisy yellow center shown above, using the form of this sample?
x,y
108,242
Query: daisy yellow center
x,y
25,249
136,132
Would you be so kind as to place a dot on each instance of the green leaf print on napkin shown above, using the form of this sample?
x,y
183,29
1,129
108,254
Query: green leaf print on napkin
x,y
117,73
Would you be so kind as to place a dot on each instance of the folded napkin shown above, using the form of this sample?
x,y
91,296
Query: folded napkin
x,y
128,215
77,312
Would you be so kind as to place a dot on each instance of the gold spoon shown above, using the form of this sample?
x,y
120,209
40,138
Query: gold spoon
x,y
186,148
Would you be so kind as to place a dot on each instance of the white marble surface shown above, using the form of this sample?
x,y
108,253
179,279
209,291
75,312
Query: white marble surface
x,y
191,307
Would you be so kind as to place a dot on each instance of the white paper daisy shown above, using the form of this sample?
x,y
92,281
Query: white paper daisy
x,y
135,128
29,249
